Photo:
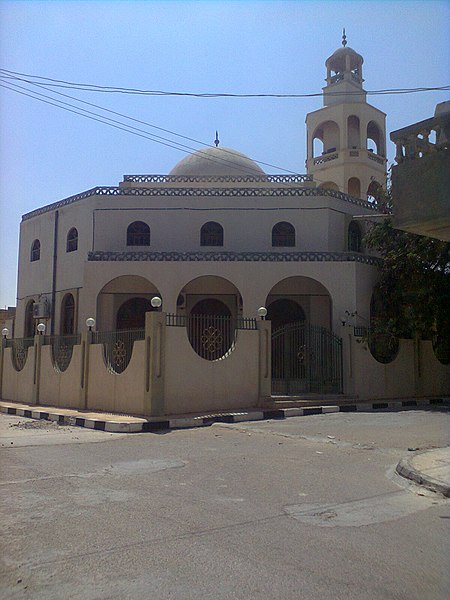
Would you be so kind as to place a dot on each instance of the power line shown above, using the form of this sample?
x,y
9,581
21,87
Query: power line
x,y
42,86
123,90
127,128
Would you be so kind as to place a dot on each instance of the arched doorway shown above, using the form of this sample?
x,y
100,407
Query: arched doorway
x,y
123,302
306,354
131,314
283,311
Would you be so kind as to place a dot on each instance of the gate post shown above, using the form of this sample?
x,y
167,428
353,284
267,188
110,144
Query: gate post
x,y
265,360
155,346
86,341
38,343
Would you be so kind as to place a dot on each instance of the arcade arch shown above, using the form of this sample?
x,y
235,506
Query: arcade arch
x,y
123,302
303,298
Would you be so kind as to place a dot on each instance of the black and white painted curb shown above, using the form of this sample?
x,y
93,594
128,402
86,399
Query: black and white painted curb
x,y
114,425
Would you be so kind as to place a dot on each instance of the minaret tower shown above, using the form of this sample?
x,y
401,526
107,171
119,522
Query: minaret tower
x,y
346,139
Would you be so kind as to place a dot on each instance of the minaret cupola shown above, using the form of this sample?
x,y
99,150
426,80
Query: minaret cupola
x,y
344,76
346,138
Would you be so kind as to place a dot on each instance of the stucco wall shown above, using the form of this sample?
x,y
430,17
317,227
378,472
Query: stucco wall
x,y
193,384
401,378
60,388
123,393
18,386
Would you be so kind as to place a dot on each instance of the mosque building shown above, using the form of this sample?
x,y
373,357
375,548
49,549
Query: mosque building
x,y
219,236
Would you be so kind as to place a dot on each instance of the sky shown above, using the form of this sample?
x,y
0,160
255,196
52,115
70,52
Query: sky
x,y
256,47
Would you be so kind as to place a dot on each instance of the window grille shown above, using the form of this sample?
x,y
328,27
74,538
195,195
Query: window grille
x,y
354,237
72,240
138,234
211,234
283,234
35,251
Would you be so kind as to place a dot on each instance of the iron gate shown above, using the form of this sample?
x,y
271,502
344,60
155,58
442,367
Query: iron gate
x,y
306,359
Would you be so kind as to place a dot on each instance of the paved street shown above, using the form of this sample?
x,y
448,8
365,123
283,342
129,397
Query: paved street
x,y
306,508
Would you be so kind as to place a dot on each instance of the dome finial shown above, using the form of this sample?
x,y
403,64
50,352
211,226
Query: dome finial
x,y
344,38
217,141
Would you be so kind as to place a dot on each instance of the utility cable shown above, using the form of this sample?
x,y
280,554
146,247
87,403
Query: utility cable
x,y
123,90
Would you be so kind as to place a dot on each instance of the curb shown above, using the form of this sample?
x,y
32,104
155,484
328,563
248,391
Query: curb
x,y
406,470
141,425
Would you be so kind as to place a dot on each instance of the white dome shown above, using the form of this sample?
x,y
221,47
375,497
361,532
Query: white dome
x,y
217,162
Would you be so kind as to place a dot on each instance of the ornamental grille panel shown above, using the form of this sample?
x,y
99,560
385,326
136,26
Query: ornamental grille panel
x,y
62,349
306,359
117,347
212,337
19,352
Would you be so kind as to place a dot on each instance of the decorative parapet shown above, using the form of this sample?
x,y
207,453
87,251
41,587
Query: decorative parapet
x,y
206,192
297,178
234,257
326,158
414,142
421,179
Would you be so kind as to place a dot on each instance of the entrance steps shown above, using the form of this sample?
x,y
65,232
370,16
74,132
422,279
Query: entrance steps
x,y
303,400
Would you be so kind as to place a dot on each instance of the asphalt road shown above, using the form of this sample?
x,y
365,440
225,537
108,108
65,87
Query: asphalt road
x,y
307,508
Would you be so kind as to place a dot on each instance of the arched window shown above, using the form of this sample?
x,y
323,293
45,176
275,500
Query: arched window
x,y
354,187
138,234
68,315
354,241
283,234
28,330
72,240
35,251
211,234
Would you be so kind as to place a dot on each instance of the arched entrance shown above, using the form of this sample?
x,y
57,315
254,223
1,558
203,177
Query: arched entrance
x,y
131,314
283,311
306,354
123,302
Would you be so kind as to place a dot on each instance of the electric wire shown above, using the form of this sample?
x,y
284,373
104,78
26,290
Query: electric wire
x,y
224,150
129,128
124,90
125,127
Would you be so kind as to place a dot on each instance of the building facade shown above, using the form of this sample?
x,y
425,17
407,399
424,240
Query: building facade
x,y
218,236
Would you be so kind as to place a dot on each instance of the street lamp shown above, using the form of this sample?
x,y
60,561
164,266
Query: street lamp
x,y
262,312
5,332
156,301
41,328
90,323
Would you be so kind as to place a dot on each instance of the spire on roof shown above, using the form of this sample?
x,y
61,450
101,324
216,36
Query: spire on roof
x,y
217,141
344,38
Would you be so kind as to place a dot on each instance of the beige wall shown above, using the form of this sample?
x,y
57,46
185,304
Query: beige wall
x,y
193,384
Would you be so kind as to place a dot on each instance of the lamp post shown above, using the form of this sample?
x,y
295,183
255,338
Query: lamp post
x,y
41,328
5,332
262,312
156,301
90,323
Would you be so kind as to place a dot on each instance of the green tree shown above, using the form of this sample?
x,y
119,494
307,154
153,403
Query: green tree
x,y
414,287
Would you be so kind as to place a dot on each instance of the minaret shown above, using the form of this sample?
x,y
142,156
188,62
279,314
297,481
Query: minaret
x,y
346,139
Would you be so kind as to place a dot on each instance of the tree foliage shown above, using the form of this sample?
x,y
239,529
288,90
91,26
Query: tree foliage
x,y
415,282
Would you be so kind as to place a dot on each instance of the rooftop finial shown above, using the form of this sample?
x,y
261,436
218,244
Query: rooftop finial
x,y
217,141
344,38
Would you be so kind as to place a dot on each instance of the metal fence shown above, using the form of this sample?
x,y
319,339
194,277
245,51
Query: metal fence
x,y
211,336
62,349
118,347
19,351
306,358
